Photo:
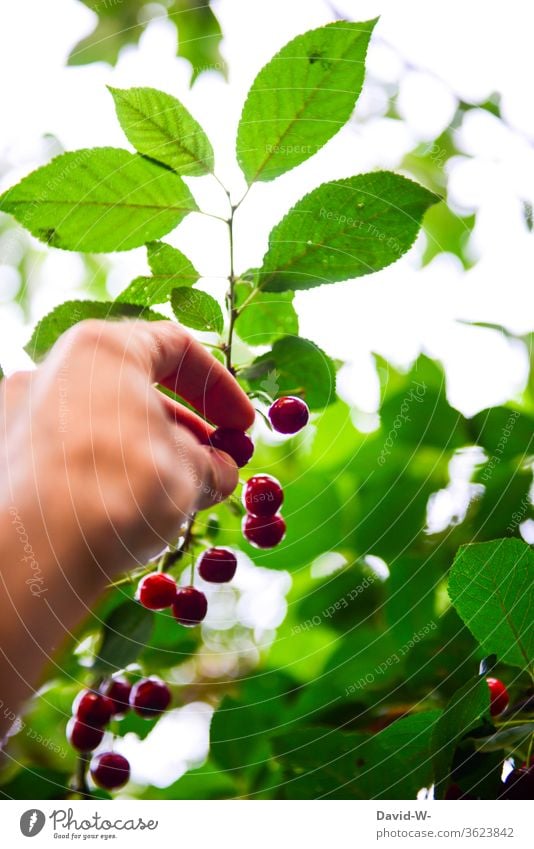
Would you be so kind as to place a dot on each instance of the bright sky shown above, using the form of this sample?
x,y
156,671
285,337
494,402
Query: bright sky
x,y
461,49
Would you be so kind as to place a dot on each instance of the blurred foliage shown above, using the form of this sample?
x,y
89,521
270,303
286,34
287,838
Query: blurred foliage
x,y
122,22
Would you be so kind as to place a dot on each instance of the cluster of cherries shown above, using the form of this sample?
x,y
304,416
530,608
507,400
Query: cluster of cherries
x,y
519,783
263,526
93,710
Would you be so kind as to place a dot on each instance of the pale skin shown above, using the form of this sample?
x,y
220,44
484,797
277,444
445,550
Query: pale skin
x,y
98,472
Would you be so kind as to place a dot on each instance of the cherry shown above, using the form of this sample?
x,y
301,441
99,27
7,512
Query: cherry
x,y
110,770
83,737
289,414
190,606
93,708
262,495
150,697
118,690
236,443
519,784
217,565
156,591
264,532
499,697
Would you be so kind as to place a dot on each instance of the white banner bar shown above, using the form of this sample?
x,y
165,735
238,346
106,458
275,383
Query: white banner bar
x,y
262,825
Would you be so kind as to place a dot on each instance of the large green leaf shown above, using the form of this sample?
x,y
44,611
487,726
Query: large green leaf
x,y
301,98
66,315
320,763
344,229
170,269
99,199
492,587
159,126
126,632
464,711
295,366
266,317
197,309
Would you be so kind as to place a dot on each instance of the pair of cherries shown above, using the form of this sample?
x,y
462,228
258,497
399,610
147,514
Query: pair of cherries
x,y
92,711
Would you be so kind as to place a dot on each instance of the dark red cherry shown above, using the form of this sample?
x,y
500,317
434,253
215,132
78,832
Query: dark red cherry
x,y
156,591
262,495
118,690
217,565
289,414
92,708
519,784
110,770
499,697
264,532
150,697
190,606
236,443
83,737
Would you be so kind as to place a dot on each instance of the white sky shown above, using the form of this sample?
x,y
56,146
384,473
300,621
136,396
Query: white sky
x,y
472,48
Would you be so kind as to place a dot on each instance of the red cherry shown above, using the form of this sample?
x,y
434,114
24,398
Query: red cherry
x,y
289,414
190,606
236,443
83,737
262,495
519,784
156,591
264,532
499,697
92,708
110,770
118,690
217,565
150,697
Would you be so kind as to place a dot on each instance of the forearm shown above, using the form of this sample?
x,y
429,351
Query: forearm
x,y
41,600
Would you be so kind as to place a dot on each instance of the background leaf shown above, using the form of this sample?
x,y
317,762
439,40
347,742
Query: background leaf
x,y
301,98
197,309
126,631
50,328
491,584
295,366
99,199
463,712
344,229
159,126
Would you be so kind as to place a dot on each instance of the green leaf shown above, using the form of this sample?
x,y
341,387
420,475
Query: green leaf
x,y
126,632
37,783
66,315
491,585
344,229
268,316
301,98
170,269
503,432
463,712
159,126
197,309
295,366
98,200
1,373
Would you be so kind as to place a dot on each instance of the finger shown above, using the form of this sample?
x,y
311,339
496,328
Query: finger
x,y
221,477
180,415
173,358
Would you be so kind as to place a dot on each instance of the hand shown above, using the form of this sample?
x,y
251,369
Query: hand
x,y
100,468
